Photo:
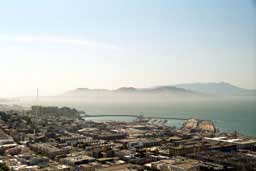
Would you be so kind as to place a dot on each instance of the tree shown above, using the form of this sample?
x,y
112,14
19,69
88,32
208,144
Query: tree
x,y
4,116
3,167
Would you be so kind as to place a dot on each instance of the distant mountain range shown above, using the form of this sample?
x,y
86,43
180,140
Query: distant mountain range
x,y
179,90
131,90
3,100
221,88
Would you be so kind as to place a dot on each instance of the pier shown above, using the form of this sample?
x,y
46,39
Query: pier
x,y
137,116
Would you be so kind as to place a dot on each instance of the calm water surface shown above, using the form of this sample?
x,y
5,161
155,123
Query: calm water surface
x,y
228,116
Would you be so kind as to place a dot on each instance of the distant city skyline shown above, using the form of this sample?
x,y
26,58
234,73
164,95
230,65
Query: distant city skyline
x,y
61,45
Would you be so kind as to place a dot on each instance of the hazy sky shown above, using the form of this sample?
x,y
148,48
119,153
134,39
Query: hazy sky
x,y
58,45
